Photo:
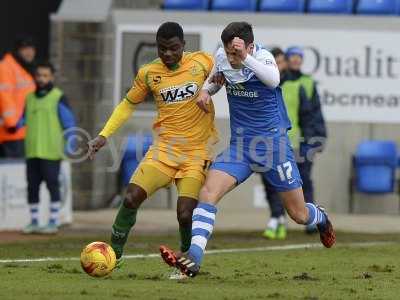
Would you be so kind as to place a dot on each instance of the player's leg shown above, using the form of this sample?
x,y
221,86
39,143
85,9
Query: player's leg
x,y
293,201
308,188
276,227
285,177
221,179
188,194
51,172
286,180
126,217
225,174
145,181
217,184
308,214
184,212
34,178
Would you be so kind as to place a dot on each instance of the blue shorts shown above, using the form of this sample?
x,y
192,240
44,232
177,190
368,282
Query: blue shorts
x,y
274,159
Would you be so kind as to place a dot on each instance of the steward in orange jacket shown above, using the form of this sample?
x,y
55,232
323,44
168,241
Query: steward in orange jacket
x,y
16,82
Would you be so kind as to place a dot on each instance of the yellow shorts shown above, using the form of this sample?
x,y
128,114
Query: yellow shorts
x,y
157,170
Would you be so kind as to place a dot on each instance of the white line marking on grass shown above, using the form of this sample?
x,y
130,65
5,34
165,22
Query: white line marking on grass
x,y
294,247
217,251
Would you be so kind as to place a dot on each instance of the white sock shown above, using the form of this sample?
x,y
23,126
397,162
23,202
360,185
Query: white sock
x,y
282,220
202,228
34,210
54,212
273,223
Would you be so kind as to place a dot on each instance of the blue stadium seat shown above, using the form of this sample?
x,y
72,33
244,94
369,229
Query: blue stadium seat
x,y
282,5
186,4
330,6
374,168
378,7
136,148
234,5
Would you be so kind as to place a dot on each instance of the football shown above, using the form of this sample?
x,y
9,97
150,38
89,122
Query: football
x,y
98,259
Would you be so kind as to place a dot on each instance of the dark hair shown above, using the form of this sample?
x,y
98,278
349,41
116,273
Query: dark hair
x,y
45,64
277,51
168,30
24,41
241,30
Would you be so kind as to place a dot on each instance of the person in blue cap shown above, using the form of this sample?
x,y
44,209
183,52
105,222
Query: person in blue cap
x,y
314,131
298,109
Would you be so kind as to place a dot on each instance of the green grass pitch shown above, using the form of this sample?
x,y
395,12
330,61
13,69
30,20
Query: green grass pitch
x,y
344,272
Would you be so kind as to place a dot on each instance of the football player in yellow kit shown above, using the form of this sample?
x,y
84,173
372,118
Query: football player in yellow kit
x,y
183,132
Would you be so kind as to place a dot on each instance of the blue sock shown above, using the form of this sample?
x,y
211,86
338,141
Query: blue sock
x,y
315,215
202,227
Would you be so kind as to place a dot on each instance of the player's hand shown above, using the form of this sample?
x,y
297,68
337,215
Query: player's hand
x,y
217,78
240,47
203,101
95,145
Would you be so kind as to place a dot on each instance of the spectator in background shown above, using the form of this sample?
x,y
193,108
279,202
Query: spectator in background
x,y
47,117
16,82
314,130
298,108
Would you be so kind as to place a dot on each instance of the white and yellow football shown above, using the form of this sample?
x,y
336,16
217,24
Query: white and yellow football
x,y
98,259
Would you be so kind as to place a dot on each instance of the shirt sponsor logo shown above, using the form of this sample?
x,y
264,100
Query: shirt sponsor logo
x,y
238,90
175,94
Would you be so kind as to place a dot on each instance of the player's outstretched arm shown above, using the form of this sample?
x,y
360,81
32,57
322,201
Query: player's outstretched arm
x,y
267,70
119,116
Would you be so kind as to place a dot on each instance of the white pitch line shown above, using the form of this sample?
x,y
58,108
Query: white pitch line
x,y
218,251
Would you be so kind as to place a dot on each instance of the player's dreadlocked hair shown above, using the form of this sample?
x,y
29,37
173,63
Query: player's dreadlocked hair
x,y
241,30
169,30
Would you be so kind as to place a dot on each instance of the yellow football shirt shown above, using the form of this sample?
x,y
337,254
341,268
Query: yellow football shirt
x,y
180,124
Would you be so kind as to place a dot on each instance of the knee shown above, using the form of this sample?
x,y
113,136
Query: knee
x,y
208,195
299,216
135,195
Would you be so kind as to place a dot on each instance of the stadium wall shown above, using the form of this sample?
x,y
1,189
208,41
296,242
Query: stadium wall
x,y
353,58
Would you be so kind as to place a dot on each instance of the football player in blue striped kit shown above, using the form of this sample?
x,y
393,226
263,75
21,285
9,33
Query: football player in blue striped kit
x,y
259,143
